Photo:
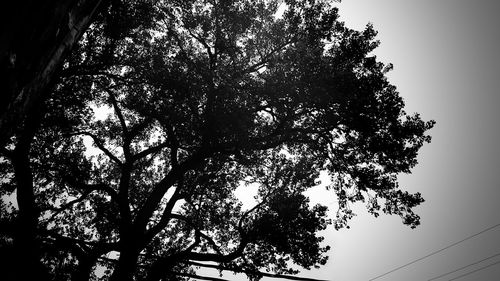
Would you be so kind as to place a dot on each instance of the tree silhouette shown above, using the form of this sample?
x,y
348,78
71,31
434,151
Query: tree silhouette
x,y
202,98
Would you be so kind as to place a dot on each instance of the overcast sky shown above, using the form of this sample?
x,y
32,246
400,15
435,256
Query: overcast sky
x,y
445,56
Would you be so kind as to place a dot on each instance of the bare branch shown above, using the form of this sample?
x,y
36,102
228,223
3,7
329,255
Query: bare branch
x,y
165,218
118,112
199,276
184,52
247,213
280,276
150,150
211,242
149,206
175,147
87,190
199,232
219,257
136,129
196,242
205,44
99,145
266,58
91,187
80,246
69,204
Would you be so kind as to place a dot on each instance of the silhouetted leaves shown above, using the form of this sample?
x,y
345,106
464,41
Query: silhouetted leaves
x,y
167,108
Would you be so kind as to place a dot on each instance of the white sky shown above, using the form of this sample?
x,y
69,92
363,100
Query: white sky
x,y
446,67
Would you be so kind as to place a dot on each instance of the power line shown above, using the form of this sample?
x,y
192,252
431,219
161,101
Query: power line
x,y
435,252
474,271
463,267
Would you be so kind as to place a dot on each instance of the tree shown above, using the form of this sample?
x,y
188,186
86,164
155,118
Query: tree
x,y
202,98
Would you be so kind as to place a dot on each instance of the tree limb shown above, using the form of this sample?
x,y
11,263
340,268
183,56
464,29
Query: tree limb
x,y
218,257
266,57
136,129
149,206
165,218
264,274
91,187
118,112
205,44
69,204
100,145
200,233
87,190
82,245
195,276
149,151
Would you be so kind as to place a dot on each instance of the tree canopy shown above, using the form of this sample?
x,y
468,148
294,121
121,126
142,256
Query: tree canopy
x,y
165,108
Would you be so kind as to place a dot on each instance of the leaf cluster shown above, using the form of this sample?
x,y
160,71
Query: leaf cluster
x,y
166,108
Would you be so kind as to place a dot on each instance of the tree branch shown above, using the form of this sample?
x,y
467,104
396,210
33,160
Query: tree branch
x,y
219,257
202,42
79,244
149,150
257,206
136,129
87,190
195,276
99,145
69,204
264,274
175,147
266,57
91,187
149,206
165,218
186,56
200,233
118,113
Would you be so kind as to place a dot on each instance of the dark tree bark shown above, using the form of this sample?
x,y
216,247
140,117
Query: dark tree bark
x,y
129,248
35,37
84,269
26,246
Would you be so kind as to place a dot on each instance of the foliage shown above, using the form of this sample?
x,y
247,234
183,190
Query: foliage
x,y
202,98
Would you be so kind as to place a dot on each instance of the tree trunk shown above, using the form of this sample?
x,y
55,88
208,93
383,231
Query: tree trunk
x,y
127,263
129,237
85,265
160,269
35,38
26,245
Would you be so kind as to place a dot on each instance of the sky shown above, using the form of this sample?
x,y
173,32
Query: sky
x,y
445,56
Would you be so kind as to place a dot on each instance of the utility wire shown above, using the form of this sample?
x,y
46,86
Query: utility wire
x,y
463,267
435,252
474,271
